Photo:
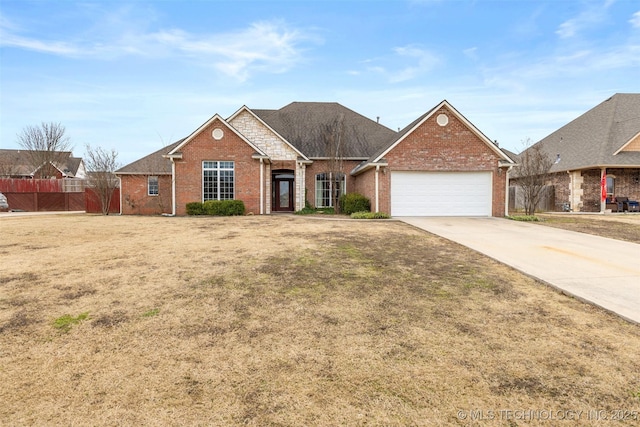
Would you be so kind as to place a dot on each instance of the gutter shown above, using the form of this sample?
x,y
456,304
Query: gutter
x,y
361,168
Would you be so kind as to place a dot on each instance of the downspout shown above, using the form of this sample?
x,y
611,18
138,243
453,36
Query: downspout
x,y
120,184
173,187
261,186
603,201
302,194
377,189
506,192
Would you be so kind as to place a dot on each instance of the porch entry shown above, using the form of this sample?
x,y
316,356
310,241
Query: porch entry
x,y
282,188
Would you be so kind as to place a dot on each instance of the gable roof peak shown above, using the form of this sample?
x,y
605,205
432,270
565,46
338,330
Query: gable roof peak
x,y
378,156
597,137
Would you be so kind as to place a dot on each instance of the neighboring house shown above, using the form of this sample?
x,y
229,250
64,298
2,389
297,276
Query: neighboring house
x,y
602,143
278,160
20,164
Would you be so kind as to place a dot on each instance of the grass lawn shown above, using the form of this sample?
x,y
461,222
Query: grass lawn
x,y
286,320
618,226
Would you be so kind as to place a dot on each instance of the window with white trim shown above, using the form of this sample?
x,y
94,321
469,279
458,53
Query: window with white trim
x,y
152,186
328,184
611,186
217,180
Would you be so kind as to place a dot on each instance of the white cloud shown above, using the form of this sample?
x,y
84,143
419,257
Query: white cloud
x,y
582,63
588,18
265,46
635,20
471,53
418,61
9,37
56,48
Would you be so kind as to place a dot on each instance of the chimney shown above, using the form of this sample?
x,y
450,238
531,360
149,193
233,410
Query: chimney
x,y
378,119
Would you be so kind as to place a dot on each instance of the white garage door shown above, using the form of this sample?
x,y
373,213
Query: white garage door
x,y
441,193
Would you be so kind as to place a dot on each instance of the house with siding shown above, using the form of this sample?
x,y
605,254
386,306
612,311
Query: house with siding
x,y
309,152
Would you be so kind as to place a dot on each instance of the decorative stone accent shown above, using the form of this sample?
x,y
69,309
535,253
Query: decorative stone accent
x,y
262,137
575,191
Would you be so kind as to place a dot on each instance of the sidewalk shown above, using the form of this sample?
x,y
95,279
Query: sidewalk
x,y
604,272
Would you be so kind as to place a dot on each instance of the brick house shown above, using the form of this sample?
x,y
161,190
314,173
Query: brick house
x,y
22,164
597,152
306,153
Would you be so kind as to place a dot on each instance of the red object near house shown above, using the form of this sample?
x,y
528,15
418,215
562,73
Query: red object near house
x,y
92,201
45,195
10,185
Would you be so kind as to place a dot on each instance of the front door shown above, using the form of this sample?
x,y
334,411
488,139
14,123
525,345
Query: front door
x,y
283,191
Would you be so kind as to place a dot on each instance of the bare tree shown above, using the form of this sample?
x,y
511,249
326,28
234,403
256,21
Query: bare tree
x,y
333,133
330,134
101,165
46,145
533,174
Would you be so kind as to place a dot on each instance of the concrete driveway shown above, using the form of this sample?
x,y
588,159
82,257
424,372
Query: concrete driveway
x,y
602,271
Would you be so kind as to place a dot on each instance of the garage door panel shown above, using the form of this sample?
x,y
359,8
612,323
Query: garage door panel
x,y
440,193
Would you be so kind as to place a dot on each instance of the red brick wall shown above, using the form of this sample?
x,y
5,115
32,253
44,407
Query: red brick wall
x,y
561,188
365,185
591,201
135,198
626,182
453,147
230,148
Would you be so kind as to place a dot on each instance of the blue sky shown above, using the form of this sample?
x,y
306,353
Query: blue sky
x,y
137,75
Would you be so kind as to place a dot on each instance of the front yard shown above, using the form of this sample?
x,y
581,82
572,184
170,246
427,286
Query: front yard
x,y
287,320
615,226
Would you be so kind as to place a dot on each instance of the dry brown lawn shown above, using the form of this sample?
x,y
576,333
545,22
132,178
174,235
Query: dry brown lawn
x,y
615,226
291,321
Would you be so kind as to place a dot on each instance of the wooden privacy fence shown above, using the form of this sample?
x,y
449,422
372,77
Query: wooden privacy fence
x,y
10,185
547,199
40,202
92,201
34,195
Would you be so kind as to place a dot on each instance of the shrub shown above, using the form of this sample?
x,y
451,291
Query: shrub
x,y
216,208
195,208
354,202
310,211
526,218
370,215
307,210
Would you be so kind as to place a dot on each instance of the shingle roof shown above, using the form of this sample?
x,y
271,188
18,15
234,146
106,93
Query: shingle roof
x,y
513,156
302,125
592,139
20,162
153,164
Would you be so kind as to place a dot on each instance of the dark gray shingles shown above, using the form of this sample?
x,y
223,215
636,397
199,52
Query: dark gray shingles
x,y
592,139
154,163
302,124
19,162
